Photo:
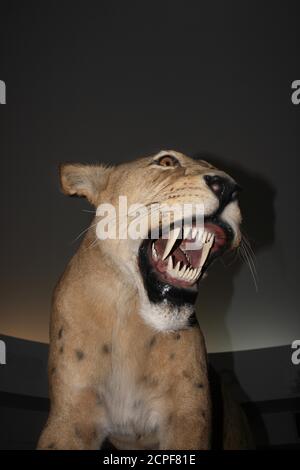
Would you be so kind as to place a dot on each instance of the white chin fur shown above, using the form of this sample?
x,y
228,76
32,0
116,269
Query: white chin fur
x,y
162,316
166,317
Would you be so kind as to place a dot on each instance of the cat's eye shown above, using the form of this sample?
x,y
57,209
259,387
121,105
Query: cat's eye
x,y
167,161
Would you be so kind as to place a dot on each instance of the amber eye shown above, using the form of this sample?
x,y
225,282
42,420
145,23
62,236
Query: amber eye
x,y
167,160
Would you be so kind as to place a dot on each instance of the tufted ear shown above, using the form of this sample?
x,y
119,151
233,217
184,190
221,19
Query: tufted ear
x,y
84,180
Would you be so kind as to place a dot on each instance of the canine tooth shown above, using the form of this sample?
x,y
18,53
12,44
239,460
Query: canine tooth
x,y
170,263
171,241
205,250
154,253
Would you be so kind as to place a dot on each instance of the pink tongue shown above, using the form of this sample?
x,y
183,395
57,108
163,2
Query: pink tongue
x,y
194,257
160,245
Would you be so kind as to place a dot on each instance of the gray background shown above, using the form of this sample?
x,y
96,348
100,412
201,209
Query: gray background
x,y
110,81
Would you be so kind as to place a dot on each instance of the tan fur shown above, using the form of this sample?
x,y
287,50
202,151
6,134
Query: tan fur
x,y
111,374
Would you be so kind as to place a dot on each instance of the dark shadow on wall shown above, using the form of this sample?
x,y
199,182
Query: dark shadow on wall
x,y
224,383
257,206
216,292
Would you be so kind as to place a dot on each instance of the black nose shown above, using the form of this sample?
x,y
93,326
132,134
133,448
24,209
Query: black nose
x,y
226,189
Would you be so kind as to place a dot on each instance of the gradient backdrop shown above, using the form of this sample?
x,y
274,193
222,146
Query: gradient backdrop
x,y
110,81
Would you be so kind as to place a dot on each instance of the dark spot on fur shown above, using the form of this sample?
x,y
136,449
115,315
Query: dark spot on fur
x,y
106,348
51,446
53,370
170,418
150,381
79,354
186,374
199,385
172,356
60,333
99,400
61,349
137,404
138,437
78,432
152,342
177,336
94,434
203,414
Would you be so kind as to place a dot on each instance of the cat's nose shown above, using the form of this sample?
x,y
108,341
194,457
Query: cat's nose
x,y
224,188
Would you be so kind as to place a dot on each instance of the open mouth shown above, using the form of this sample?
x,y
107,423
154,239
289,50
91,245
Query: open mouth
x,y
180,260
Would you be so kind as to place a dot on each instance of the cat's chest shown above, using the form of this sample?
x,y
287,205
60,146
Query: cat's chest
x,y
131,410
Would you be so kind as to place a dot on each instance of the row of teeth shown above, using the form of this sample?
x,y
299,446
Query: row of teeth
x,y
184,273
205,241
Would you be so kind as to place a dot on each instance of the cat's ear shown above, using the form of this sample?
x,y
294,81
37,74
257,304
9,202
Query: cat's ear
x,y
81,180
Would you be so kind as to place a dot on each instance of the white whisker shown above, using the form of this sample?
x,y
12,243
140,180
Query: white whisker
x,y
83,232
245,256
251,255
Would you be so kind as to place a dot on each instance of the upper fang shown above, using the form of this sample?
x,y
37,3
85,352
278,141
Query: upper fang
x,y
171,241
154,252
